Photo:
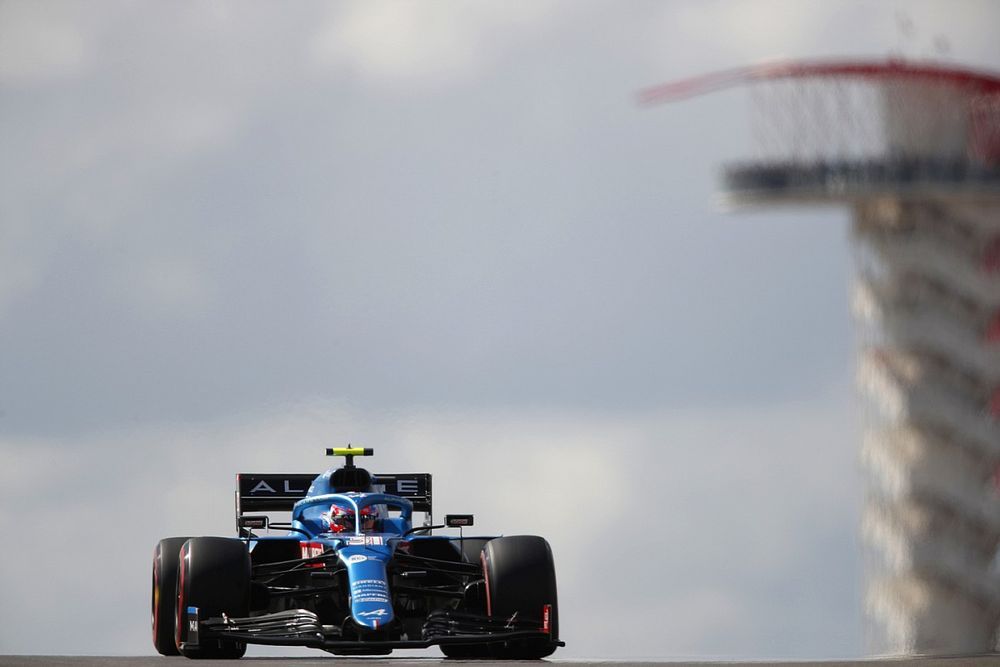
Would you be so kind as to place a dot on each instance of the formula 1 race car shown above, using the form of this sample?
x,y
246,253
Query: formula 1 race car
x,y
352,575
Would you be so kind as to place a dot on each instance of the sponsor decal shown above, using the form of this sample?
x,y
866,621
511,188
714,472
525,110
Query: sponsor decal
x,y
356,558
312,550
192,634
407,486
370,590
547,619
365,540
375,612
286,484
261,487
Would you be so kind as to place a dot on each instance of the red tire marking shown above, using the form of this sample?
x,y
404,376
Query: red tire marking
x,y
156,593
486,577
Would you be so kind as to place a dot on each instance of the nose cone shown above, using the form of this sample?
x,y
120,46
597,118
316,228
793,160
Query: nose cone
x,y
371,604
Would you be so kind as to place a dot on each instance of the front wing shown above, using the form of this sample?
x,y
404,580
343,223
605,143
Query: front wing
x,y
301,627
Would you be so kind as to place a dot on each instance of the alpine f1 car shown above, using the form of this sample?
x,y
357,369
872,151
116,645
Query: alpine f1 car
x,y
352,575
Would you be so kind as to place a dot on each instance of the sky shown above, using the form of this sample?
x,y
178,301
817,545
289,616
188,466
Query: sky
x,y
235,233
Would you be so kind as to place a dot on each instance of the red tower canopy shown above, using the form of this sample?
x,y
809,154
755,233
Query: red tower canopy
x,y
821,111
885,70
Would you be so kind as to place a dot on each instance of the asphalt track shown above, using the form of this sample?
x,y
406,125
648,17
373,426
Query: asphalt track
x,y
333,661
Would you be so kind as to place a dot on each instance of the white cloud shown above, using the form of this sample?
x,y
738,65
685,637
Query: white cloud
x,y
750,27
38,44
81,167
403,43
718,34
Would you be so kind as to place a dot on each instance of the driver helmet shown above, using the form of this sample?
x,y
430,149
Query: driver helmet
x,y
342,519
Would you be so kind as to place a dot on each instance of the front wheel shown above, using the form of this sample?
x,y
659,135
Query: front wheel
x,y
521,579
213,576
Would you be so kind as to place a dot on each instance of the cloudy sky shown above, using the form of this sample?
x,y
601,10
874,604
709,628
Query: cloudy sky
x,y
235,233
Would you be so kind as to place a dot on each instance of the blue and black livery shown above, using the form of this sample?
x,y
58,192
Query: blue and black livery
x,y
357,592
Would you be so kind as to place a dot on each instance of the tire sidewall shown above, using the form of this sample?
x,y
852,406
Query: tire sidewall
x,y
520,577
214,576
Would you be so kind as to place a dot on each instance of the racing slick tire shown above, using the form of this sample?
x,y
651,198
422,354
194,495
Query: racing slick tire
x,y
214,576
521,578
165,560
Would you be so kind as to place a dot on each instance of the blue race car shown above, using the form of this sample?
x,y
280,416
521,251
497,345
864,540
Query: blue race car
x,y
352,575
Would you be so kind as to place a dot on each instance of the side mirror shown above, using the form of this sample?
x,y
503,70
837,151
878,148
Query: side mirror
x,y
254,522
457,520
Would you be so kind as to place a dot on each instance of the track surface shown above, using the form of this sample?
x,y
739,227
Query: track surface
x,y
331,661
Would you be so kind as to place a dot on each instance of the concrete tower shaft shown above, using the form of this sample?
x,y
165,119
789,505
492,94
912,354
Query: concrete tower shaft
x,y
931,367
913,149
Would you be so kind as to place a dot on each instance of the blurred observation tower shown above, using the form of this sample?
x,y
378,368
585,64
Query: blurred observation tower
x,y
914,150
